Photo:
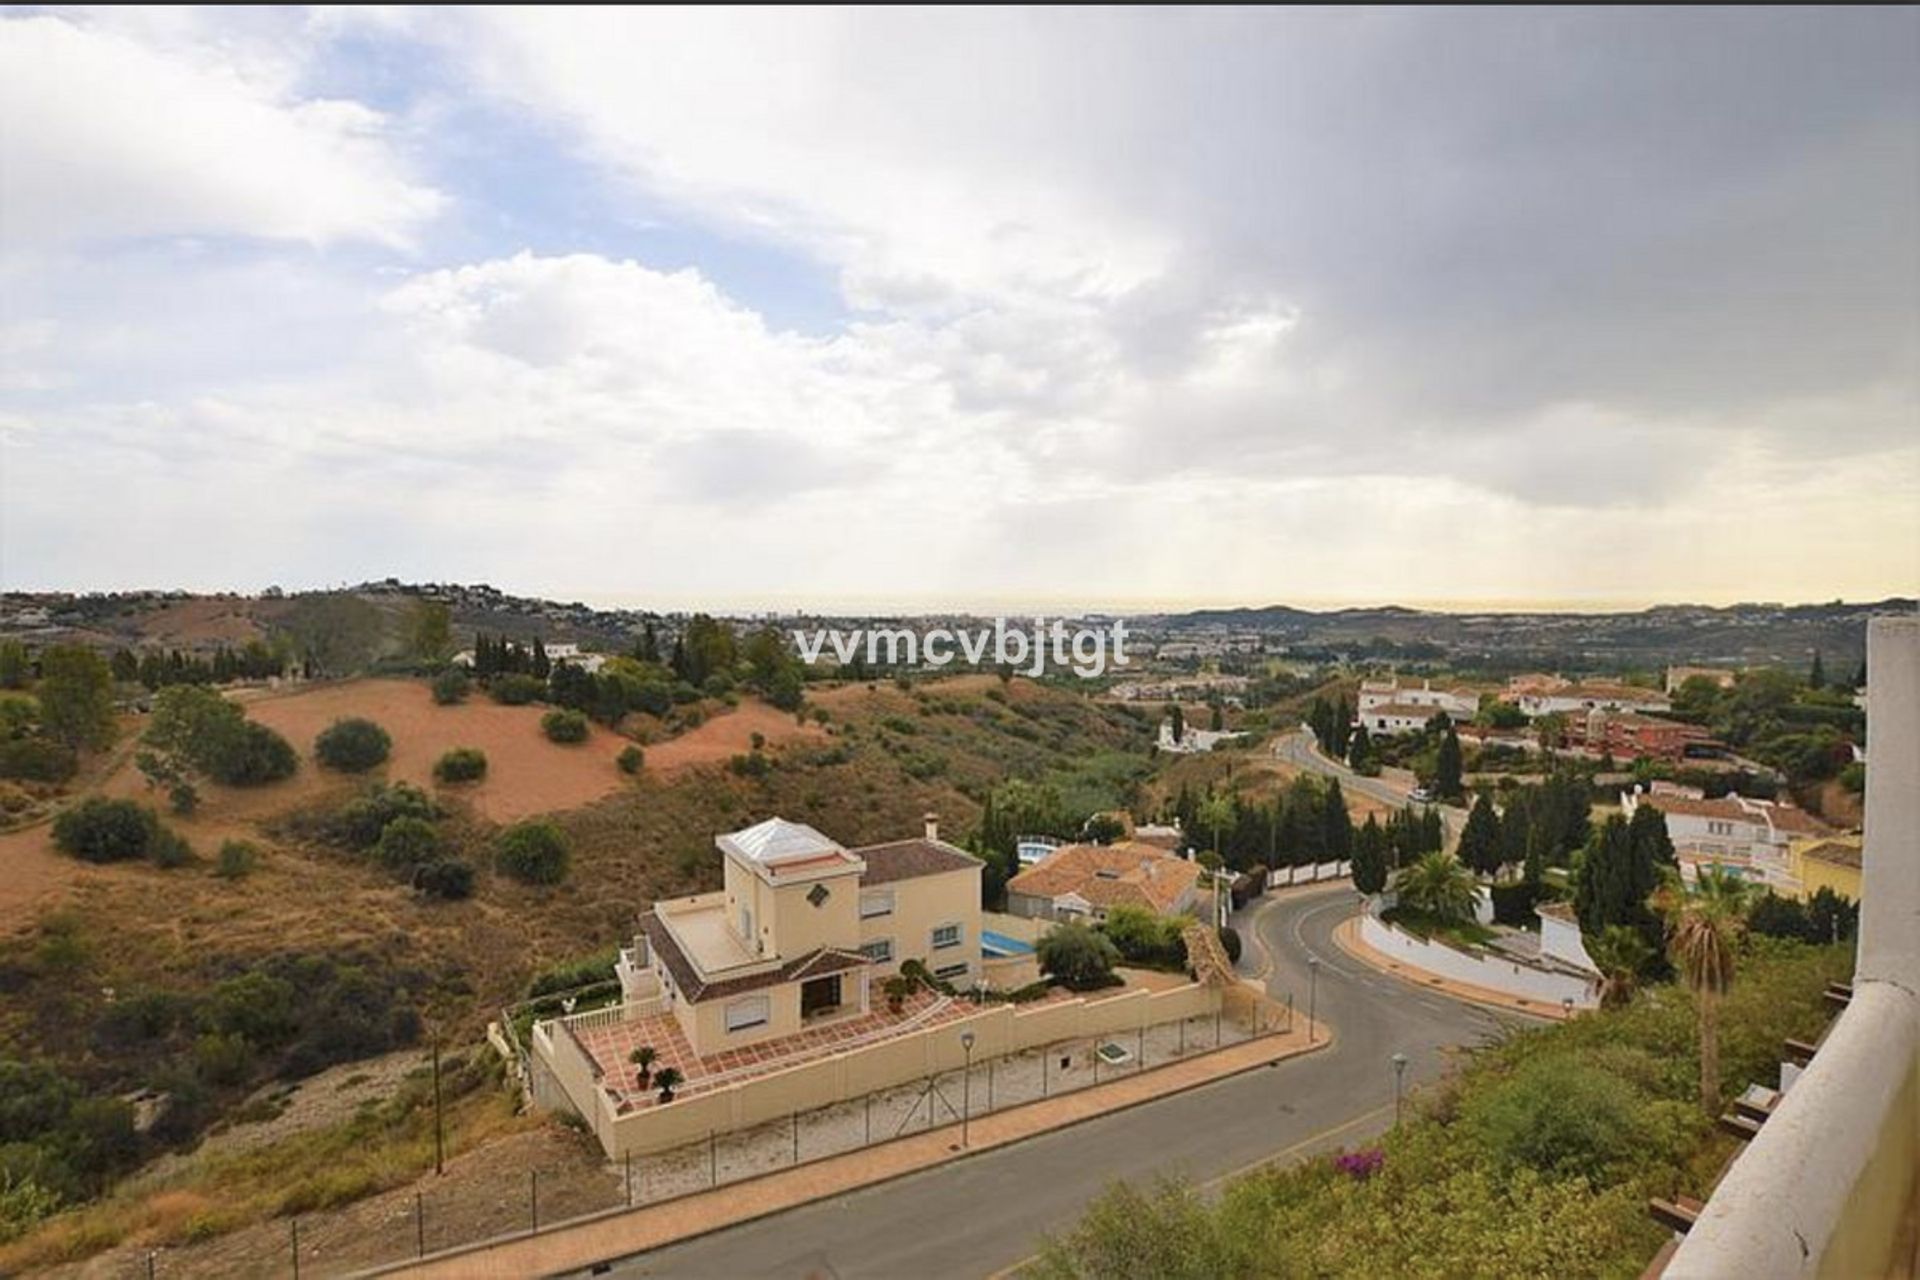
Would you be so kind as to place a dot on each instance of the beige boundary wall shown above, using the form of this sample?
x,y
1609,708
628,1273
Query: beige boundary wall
x,y
999,1030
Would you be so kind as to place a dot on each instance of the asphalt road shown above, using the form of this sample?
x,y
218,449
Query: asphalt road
x,y
1297,749
980,1215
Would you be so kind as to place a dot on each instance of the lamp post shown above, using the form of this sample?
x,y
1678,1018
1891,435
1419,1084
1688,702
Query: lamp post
x,y
1399,1061
966,1088
1566,1005
1313,989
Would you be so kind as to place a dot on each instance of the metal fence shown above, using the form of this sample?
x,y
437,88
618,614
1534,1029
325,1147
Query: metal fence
x,y
396,1227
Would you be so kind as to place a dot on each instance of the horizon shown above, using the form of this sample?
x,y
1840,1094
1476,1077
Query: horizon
x,y
988,607
658,304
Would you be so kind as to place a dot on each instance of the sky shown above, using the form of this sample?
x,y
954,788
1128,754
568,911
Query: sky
x,y
811,308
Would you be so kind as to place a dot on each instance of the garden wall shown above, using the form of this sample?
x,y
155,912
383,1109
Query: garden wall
x,y
1495,973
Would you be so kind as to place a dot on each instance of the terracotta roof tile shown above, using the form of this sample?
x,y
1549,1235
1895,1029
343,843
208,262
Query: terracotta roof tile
x,y
1128,873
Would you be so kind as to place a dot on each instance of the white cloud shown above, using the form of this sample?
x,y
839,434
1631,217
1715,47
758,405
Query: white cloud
x,y
107,135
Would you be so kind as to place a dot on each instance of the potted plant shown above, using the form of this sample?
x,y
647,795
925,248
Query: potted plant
x,y
667,1080
898,988
644,1057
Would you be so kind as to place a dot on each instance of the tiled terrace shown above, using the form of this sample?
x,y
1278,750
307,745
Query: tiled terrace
x,y
610,1046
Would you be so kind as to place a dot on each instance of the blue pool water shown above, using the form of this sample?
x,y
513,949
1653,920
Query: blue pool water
x,y
999,944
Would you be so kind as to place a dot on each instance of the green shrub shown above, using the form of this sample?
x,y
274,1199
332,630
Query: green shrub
x,y
751,765
1562,1116
406,843
101,830
1230,943
183,798
631,759
236,860
353,745
533,852
1077,957
37,760
462,764
564,725
168,849
360,821
452,686
517,690
445,878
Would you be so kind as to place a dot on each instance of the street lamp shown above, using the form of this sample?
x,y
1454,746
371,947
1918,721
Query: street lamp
x,y
1566,1005
1313,989
1399,1061
966,1087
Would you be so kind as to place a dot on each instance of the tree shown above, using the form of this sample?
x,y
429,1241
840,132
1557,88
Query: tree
x,y
644,1057
1437,886
1480,843
195,730
461,764
1360,750
76,697
1218,722
533,852
666,1080
451,686
1622,956
1336,827
407,843
1816,674
1370,858
1077,957
1703,935
334,633
430,635
1447,772
1652,846
353,745
1178,718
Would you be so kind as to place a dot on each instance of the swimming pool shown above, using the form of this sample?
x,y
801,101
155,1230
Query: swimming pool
x,y
999,944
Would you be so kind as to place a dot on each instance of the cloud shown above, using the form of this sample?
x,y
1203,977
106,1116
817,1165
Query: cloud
x,y
112,137
1218,305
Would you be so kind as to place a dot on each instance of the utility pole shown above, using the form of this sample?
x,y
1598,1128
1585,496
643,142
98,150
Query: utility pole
x,y
439,1121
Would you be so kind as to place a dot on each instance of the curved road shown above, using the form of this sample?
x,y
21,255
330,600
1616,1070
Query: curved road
x,y
1298,749
983,1214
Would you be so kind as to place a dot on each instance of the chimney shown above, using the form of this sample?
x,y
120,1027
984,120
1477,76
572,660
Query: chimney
x,y
933,825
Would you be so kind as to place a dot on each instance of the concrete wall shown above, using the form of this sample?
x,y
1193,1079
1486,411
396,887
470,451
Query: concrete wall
x,y
998,1029
801,926
1824,1188
1492,972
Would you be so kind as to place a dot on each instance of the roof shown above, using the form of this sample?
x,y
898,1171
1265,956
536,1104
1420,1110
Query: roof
x,y
777,844
816,963
1838,853
1407,709
1735,809
910,859
1601,692
1127,873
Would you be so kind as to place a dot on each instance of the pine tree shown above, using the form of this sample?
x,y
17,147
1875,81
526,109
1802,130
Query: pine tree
x,y
1336,827
1447,779
1817,674
1370,858
1480,846
1359,749
1342,727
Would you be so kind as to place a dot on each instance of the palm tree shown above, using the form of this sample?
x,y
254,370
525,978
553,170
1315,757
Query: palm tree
x,y
1621,955
1437,885
1703,933
644,1057
667,1080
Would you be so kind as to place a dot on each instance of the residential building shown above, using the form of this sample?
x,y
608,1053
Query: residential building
x,y
1191,741
1391,719
1832,863
1721,677
1415,691
1592,696
1747,837
801,931
1085,881
1627,735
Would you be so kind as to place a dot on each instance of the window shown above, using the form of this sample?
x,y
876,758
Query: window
x,y
880,950
946,935
950,971
818,894
754,1011
876,904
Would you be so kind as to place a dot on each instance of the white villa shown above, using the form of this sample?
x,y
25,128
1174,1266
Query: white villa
x,y
1750,838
